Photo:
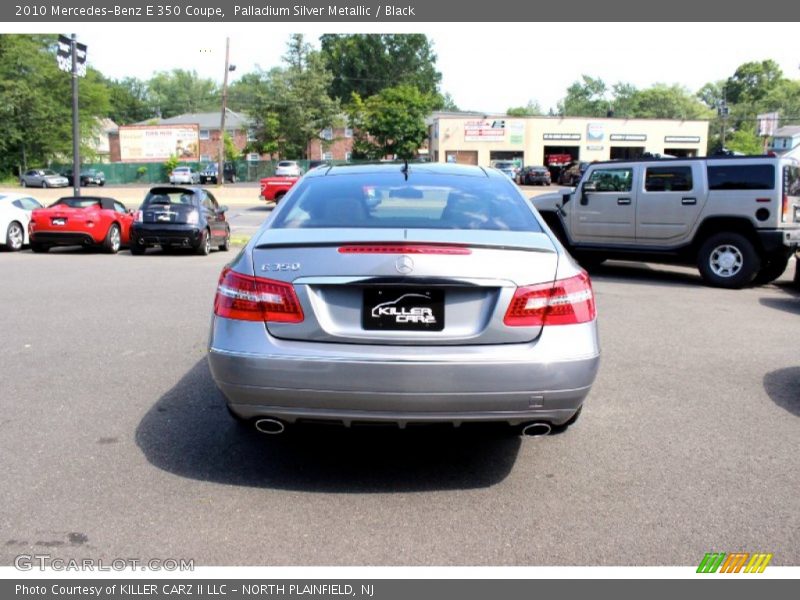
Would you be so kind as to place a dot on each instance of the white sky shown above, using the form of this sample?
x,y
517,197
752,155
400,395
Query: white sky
x,y
485,66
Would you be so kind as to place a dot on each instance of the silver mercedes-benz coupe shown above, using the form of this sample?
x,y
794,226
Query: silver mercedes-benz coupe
x,y
404,293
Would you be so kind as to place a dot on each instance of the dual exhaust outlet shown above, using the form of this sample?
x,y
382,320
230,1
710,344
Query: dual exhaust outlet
x,y
276,427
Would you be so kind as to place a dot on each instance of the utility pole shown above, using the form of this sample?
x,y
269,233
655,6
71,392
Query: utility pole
x,y
221,164
76,146
722,111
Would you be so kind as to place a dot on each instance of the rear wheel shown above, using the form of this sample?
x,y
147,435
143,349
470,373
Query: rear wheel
x,y
14,236
204,247
113,239
772,268
728,260
39,247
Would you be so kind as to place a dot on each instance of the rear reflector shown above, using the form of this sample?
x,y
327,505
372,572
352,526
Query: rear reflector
x,y
563,302
403,249
248,298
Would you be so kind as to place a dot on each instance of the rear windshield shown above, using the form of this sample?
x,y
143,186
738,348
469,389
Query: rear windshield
x,y
504,165
386,200
181,170
791,180
78,202
741,177
169,197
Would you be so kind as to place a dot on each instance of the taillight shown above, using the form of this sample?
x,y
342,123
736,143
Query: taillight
x,y
139,216
193,218
248,298
563,302
404,249
785,209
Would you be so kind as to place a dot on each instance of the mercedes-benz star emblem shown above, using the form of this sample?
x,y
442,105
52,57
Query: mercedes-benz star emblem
x,y
404,265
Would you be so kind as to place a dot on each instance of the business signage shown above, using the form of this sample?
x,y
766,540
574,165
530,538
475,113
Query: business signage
x,y
628,137
767,123
594,148
682,139
485,131
152,143
573,137
594,132
64,56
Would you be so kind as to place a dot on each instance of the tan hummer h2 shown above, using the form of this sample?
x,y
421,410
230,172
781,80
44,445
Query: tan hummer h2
x,y
736,218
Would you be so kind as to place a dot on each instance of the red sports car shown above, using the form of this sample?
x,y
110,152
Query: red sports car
x,y
85,220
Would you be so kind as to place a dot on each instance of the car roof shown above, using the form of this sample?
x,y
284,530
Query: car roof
x,y
167,189
395,167
10,197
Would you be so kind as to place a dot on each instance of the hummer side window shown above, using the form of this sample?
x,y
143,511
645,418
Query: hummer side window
x,y
668,179
610,180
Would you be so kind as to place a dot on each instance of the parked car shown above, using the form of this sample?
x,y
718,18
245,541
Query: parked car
x,y
736,218
185,175
42,178
288,168
15,214
533,175
508,167
348,309
88,177
572,174
273,189
85,221
180,217
210,173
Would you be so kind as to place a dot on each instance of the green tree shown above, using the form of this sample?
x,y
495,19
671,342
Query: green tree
x,y
365,64
532,109
663,101
36,103
753,81
585,98
129,101
745,141
448,103
179,91
230,150
391,123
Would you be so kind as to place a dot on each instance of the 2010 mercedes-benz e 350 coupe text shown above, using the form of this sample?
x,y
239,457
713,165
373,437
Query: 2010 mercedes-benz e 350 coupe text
x,y
404,294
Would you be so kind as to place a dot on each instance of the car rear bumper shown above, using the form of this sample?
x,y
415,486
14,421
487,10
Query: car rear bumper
x,y
183,235
63,238
262,376
774,240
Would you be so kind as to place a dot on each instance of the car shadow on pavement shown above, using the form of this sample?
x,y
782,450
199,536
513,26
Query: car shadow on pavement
x,y
188,432
640,273
783,388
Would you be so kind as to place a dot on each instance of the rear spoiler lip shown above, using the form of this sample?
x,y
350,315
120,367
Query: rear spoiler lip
x,y
267,246
533,241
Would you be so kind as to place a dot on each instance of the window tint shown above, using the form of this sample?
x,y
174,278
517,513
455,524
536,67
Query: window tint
x,y
27,203
119,207
610,180
741,177
168,197
387,200
668,179
212,202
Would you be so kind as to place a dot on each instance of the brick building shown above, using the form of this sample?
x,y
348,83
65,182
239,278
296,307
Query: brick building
x,y
336,143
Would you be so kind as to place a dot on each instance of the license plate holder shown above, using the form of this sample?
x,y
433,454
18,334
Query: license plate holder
x,y
403,309
59,221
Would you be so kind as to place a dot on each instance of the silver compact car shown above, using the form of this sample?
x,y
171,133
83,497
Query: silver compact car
x,y
404,294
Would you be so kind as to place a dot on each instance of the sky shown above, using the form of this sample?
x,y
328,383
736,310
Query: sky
x,y
485,66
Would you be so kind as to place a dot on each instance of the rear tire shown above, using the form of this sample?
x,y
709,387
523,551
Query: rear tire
x,y
728,260
15,236
40,247
226,244
278,197
113,239
204,247
772,268
137,249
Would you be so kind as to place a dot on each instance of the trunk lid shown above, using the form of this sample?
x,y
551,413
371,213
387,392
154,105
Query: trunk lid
x,y
403,286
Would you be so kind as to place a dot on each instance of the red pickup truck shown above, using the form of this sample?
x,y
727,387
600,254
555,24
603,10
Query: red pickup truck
x,y
275,188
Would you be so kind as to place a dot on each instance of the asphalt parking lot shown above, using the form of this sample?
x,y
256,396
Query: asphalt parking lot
x,y
115,442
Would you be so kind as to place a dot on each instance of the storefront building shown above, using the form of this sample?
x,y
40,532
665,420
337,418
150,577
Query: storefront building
x,y
482,140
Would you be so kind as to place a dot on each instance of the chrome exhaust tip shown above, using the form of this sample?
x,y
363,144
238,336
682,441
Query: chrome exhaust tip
x,y
536,429
270,426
